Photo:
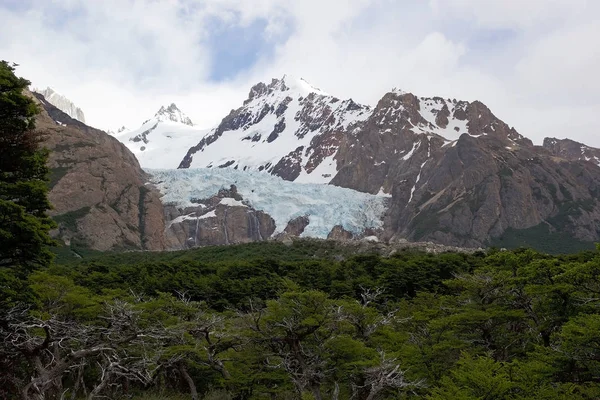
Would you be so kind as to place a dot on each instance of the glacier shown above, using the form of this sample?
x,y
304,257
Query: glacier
x,y
325,205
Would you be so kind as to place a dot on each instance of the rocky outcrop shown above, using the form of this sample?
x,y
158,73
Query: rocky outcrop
x,y
98,190
339,233
297,226
571,150
62,103
220,220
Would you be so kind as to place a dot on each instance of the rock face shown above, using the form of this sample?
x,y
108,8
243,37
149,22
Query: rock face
x,y
297,226
220,220
98,190
572,150
339,233
471,190
62,103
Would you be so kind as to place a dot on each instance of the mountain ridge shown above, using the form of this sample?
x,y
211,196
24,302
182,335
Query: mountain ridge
x,y
62,103
455,174
458,175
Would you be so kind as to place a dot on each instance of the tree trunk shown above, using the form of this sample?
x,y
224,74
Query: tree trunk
x,y
336,392
77,383
189,380
316,391
105,379
373,392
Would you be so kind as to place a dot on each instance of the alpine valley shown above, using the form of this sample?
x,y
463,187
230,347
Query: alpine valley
x,y
293,160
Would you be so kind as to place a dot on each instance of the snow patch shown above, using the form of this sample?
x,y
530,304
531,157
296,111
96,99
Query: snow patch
x,y
429,111
228,201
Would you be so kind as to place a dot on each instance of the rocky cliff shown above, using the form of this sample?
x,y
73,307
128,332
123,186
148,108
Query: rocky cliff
x,y
221,219
62,103
572,150
98,190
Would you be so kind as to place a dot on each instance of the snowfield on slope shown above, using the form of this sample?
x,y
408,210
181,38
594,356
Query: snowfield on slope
x,y
325,205
167,142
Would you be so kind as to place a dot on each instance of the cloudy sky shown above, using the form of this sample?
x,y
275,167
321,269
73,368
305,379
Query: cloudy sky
x,y
535,63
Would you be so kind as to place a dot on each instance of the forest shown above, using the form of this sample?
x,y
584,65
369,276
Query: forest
x,y
307,320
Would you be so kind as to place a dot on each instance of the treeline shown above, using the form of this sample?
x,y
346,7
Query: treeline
x,y
307,321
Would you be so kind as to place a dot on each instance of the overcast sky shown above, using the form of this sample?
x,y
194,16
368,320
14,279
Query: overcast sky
x,y
535,63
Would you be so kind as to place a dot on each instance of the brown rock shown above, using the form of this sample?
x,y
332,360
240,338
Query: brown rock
x,y
296,226
98,189
339,233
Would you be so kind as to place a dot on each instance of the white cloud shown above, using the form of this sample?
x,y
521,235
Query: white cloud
x,y
534,62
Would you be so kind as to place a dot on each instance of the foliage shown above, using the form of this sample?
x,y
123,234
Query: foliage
x,y
24,225
310,321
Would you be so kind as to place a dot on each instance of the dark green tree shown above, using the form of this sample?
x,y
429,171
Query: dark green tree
x,y
24,224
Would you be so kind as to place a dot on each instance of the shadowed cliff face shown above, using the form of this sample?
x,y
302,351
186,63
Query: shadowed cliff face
x,y
98,189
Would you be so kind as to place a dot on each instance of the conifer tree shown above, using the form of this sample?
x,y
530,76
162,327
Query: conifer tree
x,y
24,224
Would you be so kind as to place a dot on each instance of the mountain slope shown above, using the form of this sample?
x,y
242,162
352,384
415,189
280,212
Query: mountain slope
x,y
572,150
162,140
98,190
62,103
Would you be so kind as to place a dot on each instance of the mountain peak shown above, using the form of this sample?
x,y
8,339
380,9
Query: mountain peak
x,y
174,114
287,83
62,103
572,150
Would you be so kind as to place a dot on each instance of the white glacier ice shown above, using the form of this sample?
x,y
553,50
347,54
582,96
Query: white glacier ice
x,y
325,205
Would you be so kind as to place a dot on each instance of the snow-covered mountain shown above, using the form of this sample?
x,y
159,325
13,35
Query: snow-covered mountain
x,y
62,103
173,114
288,128
456,173
296,131
162,140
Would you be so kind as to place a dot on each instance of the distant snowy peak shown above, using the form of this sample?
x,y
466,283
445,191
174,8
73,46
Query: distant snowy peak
x,y
117,131
174,114
288,84
161,142
62,103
